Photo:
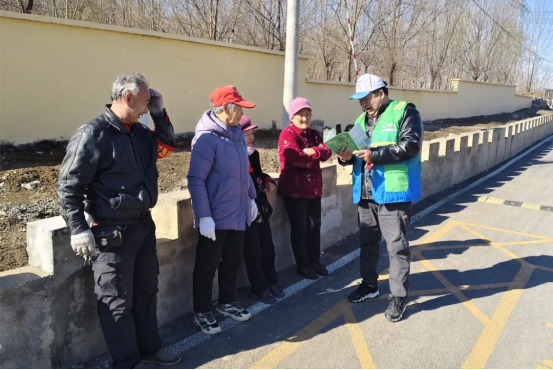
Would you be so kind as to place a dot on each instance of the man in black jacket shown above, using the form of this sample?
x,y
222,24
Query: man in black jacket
x,y
386,179
110,173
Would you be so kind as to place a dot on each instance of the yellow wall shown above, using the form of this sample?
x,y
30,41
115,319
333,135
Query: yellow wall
x,y
56,74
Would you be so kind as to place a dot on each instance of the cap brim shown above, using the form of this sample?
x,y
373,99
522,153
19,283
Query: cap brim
x,y
245,104
359,95
252,127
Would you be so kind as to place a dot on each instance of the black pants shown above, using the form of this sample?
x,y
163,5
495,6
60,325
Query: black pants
x,y
391,221
126,286
259,256
305,226
225,254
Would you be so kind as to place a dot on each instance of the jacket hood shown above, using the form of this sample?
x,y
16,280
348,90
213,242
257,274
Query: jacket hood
x,y
209,123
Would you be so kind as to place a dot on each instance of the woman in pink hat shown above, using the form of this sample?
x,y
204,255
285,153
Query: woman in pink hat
x,y
301,150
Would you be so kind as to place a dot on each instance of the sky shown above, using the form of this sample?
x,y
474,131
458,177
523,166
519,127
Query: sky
x,y
548,18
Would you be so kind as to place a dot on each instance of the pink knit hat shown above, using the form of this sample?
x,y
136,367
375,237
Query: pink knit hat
x,y
298,104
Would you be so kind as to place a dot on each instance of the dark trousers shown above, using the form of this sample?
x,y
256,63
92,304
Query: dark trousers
x,y
259,256
391,221
126,286
305,226
224,254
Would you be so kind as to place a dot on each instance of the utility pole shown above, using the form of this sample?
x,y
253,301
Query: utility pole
x,y
291,57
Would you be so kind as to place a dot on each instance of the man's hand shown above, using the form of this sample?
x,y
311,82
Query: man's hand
x,y
83,243
207,227
309,151
155,105
365,154
345,154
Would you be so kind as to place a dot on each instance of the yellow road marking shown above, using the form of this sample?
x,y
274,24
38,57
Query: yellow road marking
x,y
534,207
497,246
549,364
526,242
286,348
453,289
490,335
433,238
505,231
363,353
491,200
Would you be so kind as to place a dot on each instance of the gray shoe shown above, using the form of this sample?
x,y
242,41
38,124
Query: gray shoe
x,y
277,292
265,297
161,357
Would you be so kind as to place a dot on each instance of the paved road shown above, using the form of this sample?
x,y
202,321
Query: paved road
x,y
481,293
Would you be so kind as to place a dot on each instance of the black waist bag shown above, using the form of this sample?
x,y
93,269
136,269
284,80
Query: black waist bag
x,y
107,235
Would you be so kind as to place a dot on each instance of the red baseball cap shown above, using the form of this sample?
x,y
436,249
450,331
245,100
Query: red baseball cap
x,y
229,94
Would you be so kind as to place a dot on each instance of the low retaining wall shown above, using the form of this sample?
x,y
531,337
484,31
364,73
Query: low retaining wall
x,y
49,308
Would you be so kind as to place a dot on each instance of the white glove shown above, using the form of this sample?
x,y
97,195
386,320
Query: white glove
x,y
207,227
253,209
83,243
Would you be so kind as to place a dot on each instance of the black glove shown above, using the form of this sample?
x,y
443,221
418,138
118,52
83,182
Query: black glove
x,y
155,105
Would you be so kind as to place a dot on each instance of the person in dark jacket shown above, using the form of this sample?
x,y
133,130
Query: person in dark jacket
x,y
259,249
301,151
109,172
386,179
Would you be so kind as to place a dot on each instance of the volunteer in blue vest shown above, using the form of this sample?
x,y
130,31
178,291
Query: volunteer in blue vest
x,y
386,179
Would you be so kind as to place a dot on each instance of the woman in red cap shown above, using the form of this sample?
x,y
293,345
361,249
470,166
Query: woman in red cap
x,y
259,249
301,151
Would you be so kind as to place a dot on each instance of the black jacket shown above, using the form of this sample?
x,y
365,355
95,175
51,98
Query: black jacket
x,y
110,172
408,145
260,180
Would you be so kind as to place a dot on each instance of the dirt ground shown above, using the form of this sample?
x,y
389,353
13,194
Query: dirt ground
x,y
41,162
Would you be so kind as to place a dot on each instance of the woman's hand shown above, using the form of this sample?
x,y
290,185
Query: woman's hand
x,y
309,151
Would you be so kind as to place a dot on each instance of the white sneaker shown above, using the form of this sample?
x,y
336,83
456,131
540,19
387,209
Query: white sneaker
x,y
234,311
207,323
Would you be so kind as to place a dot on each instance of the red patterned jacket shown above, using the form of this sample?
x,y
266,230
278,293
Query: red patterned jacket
x,y
300,174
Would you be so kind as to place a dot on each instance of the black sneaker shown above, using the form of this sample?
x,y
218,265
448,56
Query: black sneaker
x,y
233,310
206,322
265,296
363,291
320,269
277,292
161,357
396,308
308,272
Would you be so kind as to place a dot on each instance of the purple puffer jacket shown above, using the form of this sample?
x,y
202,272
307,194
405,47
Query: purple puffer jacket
x,y
218,180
